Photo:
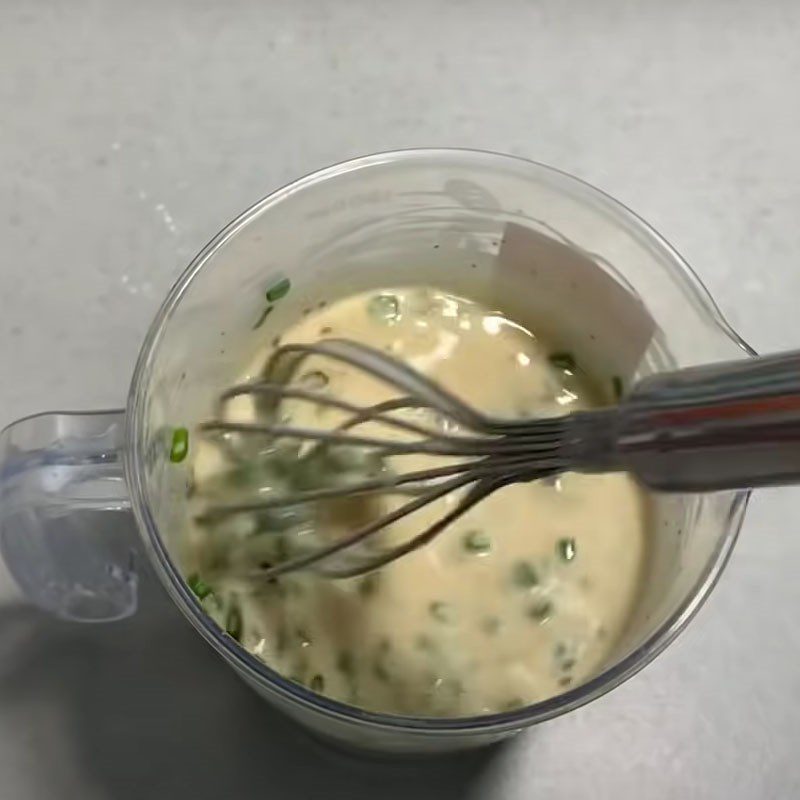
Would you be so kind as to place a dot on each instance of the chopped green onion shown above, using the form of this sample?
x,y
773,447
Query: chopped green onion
x,y
565,657
233,622
384,308
477,542
524,575
563,360
317,683
278,290
542,610
617,387
344,663
264,314
566,548
369,584
440,611
180,445
199,586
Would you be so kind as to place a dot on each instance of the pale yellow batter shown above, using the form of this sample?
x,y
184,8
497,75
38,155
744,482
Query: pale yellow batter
x,y
521,598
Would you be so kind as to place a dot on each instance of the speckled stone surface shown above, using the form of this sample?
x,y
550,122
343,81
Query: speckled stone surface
x,y
131,132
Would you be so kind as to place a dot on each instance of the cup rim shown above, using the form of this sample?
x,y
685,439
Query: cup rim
x,y
257,670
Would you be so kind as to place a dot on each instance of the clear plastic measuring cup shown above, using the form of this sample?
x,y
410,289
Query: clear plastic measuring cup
x,y
442,217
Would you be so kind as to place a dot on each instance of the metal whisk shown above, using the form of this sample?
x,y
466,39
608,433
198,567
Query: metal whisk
x,y
722,426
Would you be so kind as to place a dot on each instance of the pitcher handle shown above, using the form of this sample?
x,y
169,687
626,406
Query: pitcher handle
x,y
62,490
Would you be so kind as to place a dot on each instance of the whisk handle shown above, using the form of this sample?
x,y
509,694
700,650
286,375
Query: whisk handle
x,y
721,426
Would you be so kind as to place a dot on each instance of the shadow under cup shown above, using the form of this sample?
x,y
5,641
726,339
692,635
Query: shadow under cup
x,y
548,251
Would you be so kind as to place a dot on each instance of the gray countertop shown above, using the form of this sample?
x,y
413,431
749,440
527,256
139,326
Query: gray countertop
x,y
131,132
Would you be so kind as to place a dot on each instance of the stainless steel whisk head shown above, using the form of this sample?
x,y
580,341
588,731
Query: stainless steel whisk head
x,y
484,453
717,426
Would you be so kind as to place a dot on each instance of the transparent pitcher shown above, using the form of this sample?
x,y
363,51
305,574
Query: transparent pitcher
x,y
439,217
